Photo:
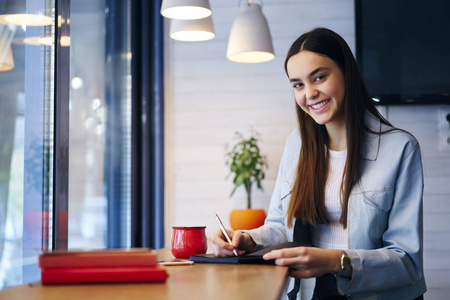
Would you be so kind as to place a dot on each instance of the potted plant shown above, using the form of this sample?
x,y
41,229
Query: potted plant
x,y
247,165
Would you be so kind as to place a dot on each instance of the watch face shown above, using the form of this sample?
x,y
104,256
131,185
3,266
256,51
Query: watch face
x,y
346,266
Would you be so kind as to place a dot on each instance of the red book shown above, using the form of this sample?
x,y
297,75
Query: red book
x,y
98,258
103,275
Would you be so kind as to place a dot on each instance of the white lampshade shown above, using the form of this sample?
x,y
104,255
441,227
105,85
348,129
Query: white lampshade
x,y
192,30
7,62
250,40
46,40
185,9
18,13
7,33
27,19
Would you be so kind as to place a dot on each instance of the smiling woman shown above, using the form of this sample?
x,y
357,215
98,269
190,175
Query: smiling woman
x,y
345,178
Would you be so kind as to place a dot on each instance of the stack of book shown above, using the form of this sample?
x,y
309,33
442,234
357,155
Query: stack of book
x,y
107,265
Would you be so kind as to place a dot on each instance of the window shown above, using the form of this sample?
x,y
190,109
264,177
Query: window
x,y
100,123
86,76
81,129
26,137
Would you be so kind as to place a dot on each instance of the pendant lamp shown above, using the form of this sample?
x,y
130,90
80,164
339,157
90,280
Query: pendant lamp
x,y
185,9
192,30
7,62
27,19
250,40
7,33
14,12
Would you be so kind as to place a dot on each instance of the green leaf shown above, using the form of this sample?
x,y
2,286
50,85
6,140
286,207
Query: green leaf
x,y
246,162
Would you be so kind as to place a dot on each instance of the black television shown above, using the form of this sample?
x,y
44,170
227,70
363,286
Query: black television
x,y
403,50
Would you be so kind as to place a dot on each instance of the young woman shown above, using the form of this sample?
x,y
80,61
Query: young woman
x,y
348,179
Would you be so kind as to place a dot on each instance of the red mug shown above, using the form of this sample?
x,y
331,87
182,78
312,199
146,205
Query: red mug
x,y
187,241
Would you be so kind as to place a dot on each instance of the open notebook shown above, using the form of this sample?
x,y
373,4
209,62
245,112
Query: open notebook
x,y
254,257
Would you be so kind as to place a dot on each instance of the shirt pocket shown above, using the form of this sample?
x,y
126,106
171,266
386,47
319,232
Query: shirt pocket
x,y
372,212
379,199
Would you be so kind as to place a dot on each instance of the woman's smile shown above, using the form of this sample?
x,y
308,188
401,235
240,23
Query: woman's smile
x,y
318,105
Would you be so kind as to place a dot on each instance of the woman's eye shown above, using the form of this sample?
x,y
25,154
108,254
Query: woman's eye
x,y
319,78
297,85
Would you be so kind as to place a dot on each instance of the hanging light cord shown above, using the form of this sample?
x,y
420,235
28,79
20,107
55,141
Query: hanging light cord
x,y
249,2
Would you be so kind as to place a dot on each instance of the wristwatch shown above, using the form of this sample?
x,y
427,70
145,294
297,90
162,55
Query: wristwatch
x,y
346,266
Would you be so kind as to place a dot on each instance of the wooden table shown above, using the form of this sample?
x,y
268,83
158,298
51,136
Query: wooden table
x,y
197,281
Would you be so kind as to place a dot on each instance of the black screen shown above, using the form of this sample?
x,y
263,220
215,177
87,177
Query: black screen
x,y
403,50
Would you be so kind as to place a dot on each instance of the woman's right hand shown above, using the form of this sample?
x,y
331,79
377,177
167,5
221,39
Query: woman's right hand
x,y
240,241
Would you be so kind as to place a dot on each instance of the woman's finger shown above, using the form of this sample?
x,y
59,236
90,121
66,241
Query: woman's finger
x,y
285,253
236,237
294,262
221,246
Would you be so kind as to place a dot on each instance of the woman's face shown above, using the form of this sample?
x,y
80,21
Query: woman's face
x,y
319,87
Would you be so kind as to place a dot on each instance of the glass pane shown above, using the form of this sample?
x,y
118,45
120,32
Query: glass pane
x,y
26,110
100,124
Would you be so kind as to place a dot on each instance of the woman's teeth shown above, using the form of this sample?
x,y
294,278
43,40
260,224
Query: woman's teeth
x,y
320,104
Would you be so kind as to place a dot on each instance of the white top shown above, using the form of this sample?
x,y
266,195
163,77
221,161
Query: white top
x,y
332,236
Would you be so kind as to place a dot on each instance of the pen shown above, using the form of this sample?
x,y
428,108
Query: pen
x,y
176,263
225,233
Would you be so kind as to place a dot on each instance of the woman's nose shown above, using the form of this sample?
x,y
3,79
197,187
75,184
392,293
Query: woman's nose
x,y
311,92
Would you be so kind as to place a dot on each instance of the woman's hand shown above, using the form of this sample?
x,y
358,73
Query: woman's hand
x,y
240,241
307,262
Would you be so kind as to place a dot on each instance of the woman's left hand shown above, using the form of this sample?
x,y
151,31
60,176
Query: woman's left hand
x,y
307,262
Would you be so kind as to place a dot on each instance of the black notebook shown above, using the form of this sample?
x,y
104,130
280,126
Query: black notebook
x,y
254,257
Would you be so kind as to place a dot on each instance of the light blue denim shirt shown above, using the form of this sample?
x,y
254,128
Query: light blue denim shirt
x,y
384,221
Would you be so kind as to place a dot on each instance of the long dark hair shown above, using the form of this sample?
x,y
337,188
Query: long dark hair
x,y
308,193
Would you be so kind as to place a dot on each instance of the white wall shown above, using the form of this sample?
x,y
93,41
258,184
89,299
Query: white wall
x,y
208,98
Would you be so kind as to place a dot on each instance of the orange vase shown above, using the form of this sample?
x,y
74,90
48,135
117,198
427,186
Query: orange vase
x,y
245,219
